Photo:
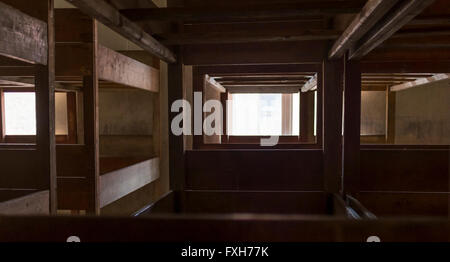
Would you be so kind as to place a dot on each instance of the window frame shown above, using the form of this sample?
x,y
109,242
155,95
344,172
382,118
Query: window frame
x,y
250,142
70,138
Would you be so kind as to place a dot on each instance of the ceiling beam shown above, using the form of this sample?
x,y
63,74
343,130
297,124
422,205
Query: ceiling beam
x,y
371,13
310,85
420,82
111,17
397,17
266,11
214,84
248,37
263,89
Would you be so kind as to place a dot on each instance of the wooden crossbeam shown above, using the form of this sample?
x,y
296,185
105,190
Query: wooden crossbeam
x,y
269,89
266,11
22,37
118,68
400,15
247,37
420,82
372,12
215,84
310,85
111,17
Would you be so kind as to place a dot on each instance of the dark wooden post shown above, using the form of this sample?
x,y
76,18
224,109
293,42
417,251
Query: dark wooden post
x,y
2,116
332,125
390,116
307,117
91,128
176,144
352,128
45,114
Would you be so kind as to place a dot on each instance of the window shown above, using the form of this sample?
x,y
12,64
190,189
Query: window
x,y
264,115
19,114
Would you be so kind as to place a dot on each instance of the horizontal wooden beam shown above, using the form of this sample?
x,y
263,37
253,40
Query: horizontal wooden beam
x,y
29,202
270,89
399,16
111,17
249,36
266,11
120,69
310,85
371,13
117,184
420,82
215,84
22,37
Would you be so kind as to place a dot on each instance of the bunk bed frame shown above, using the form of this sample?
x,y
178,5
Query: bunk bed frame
x,y
86,180
28,180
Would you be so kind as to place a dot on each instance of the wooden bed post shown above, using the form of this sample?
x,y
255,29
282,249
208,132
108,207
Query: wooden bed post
x,y
176,144
91,128
307,117
352,128
45,114
390,116
332,125
2,116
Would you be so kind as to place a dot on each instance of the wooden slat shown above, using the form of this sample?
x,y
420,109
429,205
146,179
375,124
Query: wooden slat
x,y
30,203
254,170
399,16
111,17
372,12
23,37
420,82
118,68
120,183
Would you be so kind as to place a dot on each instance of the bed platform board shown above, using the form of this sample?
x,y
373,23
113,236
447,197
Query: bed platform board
x,y
24,202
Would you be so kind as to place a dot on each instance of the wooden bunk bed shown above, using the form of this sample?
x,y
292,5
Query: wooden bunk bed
x,y
27,183
88,179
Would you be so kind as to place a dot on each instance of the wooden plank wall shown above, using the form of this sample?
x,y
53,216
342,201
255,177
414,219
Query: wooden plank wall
x,y
296,170
402,181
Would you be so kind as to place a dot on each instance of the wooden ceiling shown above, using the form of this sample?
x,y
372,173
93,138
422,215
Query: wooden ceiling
x,y
230,21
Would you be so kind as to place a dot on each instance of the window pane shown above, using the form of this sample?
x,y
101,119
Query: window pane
x,y
296,114
256,114
20,113
61,122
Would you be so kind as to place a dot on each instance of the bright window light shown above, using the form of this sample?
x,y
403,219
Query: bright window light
x,y
20,113
261,115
